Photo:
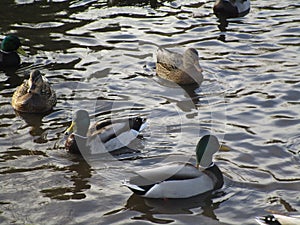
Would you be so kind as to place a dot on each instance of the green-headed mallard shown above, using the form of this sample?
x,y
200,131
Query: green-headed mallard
x,y
104,136
181,69
277,219
231,8
10,47
181,180
35,95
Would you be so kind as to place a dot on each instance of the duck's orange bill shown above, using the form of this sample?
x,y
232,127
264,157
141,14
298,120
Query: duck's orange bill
x,y
70,129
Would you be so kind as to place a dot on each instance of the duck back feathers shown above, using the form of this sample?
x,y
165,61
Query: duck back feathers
x,y
231,8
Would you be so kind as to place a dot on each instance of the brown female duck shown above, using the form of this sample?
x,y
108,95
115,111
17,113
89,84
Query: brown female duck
x,y
181,69
35,95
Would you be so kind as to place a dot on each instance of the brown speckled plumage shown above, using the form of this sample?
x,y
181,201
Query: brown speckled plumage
x,y
35,95
181,69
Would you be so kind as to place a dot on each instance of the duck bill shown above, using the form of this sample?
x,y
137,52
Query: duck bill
x,y
70,129
198,67
21,51
32,89
224,148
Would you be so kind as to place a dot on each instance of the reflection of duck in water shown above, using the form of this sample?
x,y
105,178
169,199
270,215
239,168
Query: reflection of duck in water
x,y
34,121
231,8
277,219
153,3
78,183
154,210
181,69
172,206
104,136
10,47
35,95
181,180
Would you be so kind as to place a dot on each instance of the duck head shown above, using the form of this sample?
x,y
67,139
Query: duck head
x,y
80,123
191,60
11,43
35,82
206,148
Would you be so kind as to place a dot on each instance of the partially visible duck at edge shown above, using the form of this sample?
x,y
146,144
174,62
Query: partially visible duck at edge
x,y
181,179
35,95
181,69
103,136
278,219
10,47
231,8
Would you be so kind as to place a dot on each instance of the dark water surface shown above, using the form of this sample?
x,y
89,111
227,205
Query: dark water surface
x,y
101,58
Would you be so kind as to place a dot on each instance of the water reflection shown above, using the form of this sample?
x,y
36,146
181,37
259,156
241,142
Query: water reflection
x,y
223,23
191,97
153,3
152,209
80,171
223,27
12,80
34,121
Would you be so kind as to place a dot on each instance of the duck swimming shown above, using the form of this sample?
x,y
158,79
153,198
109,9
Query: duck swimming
x,y
104,136
179,179
10,47
35,95
277,219
231,8
181,69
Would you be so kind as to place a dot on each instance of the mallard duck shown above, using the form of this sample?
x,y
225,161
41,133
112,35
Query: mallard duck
x,y
35,95
181,69
104,136
178,179
277,219
10,47
231,8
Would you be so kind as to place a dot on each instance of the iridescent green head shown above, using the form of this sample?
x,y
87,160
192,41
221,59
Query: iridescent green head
x,y
12,43
206,148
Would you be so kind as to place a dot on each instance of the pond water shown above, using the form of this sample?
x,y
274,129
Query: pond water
x,y
102,58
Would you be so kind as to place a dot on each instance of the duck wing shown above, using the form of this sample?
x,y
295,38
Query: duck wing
x,y
178,180
109,129
21,90
115,134
173,171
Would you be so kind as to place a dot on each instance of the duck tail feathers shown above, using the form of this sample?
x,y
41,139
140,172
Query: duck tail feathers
x,y
143,126
133,187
